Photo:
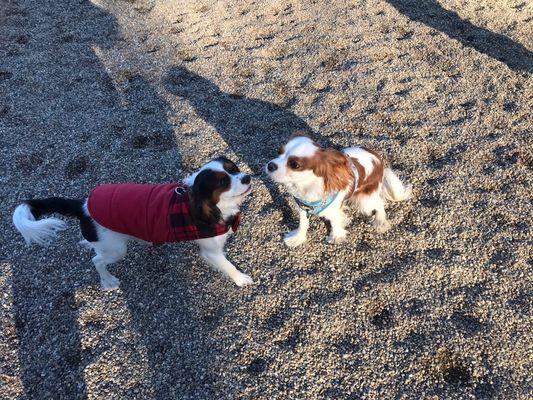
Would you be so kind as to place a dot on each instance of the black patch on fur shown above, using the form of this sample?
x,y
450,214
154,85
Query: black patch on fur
x,y
229,166
88,229
60,205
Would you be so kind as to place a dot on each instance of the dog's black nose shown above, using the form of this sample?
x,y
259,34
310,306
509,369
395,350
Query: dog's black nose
x,y
272,166
245,180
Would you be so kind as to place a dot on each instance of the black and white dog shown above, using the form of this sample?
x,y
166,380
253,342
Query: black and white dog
x,y
204,208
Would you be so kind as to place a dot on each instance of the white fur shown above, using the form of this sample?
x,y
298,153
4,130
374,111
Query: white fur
x,y
365,158
309,187
394,189
212,251
111,246
42,232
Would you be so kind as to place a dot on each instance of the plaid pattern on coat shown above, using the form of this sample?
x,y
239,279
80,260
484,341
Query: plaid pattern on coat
x,y
154,213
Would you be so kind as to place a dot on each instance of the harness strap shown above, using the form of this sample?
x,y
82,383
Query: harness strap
x,y
316,207
355,176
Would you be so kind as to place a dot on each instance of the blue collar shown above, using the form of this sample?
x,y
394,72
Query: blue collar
x,y
316,207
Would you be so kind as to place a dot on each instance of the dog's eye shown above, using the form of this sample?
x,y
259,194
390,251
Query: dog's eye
x,y
293,164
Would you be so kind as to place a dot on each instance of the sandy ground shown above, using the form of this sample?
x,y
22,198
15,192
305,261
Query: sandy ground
x,y
145,91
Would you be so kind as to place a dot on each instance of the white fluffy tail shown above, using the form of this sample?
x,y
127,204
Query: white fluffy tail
x,y
393,188
41,232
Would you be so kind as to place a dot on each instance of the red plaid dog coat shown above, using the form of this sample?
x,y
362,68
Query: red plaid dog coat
x,y
154,213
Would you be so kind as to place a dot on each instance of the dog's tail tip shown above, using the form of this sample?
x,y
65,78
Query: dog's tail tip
x,y
394,188
408,192
41,232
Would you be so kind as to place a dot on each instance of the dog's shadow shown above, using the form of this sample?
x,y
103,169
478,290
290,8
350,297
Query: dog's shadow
x,y
122,137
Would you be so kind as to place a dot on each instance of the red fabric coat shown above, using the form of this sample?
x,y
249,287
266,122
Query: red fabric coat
x,y
154,213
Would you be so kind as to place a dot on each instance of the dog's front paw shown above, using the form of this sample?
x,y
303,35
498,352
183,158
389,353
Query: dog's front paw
x,y
110,283
338,237
85,244
242,280
382,226
294,238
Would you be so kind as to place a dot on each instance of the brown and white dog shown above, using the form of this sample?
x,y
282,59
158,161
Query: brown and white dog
x,y
323,181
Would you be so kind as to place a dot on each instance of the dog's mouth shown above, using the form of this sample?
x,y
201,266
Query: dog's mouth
x,y
245,192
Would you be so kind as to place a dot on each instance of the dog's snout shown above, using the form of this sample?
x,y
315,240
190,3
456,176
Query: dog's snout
x,y
272,166
245,180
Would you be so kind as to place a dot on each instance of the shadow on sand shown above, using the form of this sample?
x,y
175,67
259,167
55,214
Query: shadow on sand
x,y
102,136
253,129
495,45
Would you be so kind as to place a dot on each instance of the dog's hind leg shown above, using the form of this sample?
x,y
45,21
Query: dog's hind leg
x,y
107,281
110,248
373,205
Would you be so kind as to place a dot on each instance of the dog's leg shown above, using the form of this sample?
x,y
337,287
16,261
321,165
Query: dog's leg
x,y
374,205
298,236
107,281
381,223
85,244
212,251
338,221
110,248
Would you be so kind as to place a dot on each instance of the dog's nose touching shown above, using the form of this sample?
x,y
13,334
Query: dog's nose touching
x,y
272,166
245,180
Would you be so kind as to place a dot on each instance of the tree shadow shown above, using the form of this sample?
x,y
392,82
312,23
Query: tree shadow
x,y
47,57
495,45
175,325
69,129
253,129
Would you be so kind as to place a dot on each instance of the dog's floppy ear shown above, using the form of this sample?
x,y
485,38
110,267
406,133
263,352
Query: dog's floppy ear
x,y
333,167
203,199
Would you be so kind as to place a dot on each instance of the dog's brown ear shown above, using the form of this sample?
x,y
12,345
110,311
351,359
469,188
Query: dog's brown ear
x,y
204,198
332,165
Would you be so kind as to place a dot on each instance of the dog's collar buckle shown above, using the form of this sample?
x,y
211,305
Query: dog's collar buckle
x,y
180,190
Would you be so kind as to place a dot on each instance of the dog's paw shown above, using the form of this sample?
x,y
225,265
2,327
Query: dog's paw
x,y
336,238
110,283
294,238
243,280
85,244
382,226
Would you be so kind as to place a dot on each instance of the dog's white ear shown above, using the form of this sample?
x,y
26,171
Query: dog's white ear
x,y
299,133
204,210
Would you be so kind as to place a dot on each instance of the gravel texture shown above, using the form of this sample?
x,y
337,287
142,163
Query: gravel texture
x,y
146,91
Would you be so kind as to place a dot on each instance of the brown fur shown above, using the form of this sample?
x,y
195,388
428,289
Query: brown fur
x,y
332,165
370,183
